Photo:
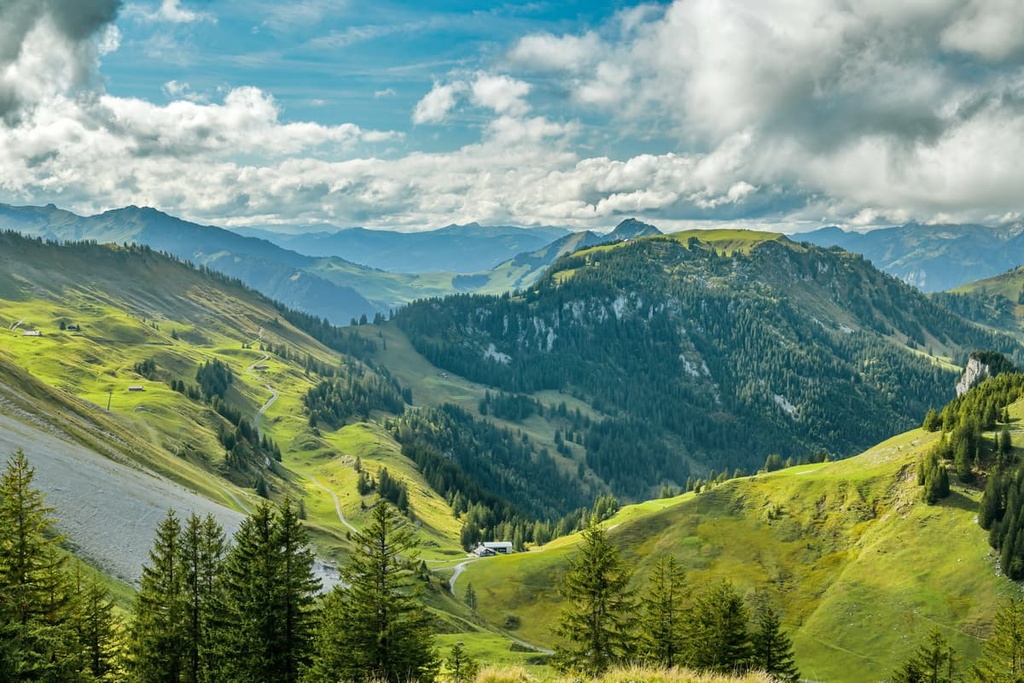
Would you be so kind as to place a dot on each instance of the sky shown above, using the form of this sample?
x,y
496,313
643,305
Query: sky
x,y
770,114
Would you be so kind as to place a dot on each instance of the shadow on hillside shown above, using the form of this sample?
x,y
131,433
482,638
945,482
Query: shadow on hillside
x,y
958,500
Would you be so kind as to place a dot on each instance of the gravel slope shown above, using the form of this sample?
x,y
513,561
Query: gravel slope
x,y
108,511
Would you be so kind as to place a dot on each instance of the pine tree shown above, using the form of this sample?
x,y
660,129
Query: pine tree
x,y
156,650
268,590
718,639
202,554
461,667
932,421
1002,658
664,614
373,626
470,597
36,609
773,650
598,612
298,588
934,661
98,629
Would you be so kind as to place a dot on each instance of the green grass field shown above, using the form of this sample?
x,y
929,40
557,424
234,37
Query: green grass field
x,y
861,567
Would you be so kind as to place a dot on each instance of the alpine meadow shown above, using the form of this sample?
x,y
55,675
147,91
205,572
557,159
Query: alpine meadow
x,y
468,342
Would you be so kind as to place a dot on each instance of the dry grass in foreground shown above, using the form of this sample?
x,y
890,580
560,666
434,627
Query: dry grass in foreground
x,y
636,674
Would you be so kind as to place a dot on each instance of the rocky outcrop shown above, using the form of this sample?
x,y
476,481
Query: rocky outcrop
x,y
974,374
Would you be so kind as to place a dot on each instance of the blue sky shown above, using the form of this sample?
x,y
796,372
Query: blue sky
x,y
779,114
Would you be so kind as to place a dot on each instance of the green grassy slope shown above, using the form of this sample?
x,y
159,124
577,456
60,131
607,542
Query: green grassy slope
x,y
862,568
994,302
131,306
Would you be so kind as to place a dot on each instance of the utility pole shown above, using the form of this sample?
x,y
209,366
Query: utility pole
x,y
110,395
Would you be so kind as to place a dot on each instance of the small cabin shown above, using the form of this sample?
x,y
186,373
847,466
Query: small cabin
x,y
136,387
261,368
491,548
31,333
73,328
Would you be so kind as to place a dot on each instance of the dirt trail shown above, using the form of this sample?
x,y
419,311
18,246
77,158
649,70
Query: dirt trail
x,y
458,569
263,409
337,503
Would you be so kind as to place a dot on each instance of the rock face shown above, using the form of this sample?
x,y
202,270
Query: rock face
x,y
974,374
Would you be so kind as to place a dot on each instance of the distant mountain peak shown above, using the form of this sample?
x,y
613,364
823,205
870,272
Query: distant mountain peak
x,y
631,228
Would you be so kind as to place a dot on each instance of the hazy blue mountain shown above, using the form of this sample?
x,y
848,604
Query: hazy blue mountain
x,y
932,257
468,248
281,274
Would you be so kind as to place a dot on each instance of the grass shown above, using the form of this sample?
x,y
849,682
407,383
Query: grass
x,y
505,674
861,568
169,313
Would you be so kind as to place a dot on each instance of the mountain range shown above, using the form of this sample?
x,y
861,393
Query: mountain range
x,y
933,258
641,365
468,248
326,286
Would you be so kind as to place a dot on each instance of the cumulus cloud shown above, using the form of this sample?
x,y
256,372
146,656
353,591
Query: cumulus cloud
x,y
908,108
548,52
436,104
837,111
48,47
501,93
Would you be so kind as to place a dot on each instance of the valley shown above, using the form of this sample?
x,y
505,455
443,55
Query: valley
x,y
122,396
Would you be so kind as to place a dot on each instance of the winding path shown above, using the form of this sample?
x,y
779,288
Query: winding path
x,y
337,503
263,409
270,401
458,569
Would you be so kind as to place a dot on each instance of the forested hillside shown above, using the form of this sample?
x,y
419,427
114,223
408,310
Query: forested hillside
x,y
709,351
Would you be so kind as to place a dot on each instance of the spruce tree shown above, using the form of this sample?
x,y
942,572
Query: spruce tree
x,y
663,623
202,554
461,667
268,589
98,629
718,639
157,649
297,589
598,608
36,602
772,648
934,661
1002,657
373,625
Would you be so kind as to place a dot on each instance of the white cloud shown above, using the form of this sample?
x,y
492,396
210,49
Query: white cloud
x,y
502,94
991,29
547,52
285,16
436,104
386,92
172,11
169,11
856,111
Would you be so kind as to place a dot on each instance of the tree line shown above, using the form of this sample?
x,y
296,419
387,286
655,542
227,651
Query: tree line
x,y
211,609
606,621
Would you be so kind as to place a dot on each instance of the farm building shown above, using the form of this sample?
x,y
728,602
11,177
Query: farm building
x,y
136,387
489,548
31,333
